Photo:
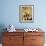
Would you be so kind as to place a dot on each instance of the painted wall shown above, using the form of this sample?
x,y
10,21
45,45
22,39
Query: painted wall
x,y
10,13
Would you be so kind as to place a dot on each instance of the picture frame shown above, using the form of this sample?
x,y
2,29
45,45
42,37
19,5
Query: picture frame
x,y
26,13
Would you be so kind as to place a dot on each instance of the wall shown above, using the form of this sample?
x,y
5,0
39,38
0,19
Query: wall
x,y
9,13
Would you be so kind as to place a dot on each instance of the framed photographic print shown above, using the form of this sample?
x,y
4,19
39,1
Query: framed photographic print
x,y
26,13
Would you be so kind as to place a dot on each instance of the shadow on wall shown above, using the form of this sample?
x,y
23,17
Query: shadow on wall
x,y
2,26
